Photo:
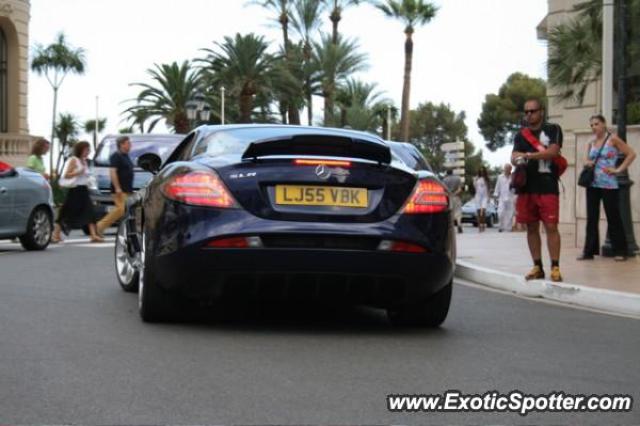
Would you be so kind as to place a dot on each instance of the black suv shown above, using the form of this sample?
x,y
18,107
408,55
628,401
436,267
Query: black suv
x,y
159,144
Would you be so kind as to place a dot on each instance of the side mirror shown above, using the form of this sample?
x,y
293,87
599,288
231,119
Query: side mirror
x,y
150,162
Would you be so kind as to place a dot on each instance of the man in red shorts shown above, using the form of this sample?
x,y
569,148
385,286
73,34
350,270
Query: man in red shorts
x,y
538,199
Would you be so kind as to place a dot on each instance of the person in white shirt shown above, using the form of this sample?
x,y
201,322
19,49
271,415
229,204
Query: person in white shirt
x,y
505,196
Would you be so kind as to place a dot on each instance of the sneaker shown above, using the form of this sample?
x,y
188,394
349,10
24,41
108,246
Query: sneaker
x,y
536,273
556,276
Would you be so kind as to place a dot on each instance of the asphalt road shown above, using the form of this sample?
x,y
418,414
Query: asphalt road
x,y
73,350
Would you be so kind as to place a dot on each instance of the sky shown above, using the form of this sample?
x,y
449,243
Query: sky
x,y
466,52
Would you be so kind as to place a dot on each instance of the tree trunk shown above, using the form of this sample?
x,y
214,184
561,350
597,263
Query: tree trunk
x,y
328,109
335,20
181,124
406,88
385,127
63,145
246,106
310,108
53,134
294,114
285,104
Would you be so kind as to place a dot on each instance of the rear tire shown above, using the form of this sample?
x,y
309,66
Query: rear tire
x,y
39,229
126,268
154,303
430,312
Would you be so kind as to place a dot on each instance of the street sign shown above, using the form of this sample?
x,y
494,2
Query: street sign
x,y
454,155
454,164
452,146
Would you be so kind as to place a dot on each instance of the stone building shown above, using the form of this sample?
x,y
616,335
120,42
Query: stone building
x,y
15,141
574,119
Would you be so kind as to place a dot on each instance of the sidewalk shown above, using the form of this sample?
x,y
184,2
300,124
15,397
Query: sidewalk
x,y
500,260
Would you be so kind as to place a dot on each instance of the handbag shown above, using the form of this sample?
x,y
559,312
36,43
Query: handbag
x,y
64,182
519,177
588,174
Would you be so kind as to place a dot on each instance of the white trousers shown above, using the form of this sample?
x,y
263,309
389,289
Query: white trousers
x,y
505,214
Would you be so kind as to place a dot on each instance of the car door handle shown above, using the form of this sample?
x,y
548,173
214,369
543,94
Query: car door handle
x,y
3,190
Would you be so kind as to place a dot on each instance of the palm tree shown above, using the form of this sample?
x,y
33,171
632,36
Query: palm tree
x,y
411,13
337,6
90,127
575,51
174,86
356,95
336,63
55,62
244,67
138,116
306,21
67,129
575,58
283,10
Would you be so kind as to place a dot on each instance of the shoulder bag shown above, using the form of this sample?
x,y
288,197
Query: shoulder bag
x,y
65,182
588,174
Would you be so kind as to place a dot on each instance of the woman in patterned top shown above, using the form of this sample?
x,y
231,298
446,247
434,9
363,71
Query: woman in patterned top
x,y
605,188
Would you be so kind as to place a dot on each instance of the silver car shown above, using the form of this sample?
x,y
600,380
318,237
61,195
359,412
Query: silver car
x,y
26,208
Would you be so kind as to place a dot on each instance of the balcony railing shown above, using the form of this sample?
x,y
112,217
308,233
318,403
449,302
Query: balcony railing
x,y
15,148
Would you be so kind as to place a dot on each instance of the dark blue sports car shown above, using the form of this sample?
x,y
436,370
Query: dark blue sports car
x,y
277,212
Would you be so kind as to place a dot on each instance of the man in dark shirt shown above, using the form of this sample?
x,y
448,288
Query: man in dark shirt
x,y
121,182
538,200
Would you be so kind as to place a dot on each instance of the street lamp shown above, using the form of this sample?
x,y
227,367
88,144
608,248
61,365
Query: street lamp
x,y
197,108
222,104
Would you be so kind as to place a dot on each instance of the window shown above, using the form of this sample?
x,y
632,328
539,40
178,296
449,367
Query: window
x,y
3,83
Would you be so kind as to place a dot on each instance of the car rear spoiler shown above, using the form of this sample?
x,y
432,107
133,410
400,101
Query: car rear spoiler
x,y
320,145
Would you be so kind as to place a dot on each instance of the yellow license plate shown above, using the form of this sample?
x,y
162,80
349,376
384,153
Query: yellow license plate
x,y
304,195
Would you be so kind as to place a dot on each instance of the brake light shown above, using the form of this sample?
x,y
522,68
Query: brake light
x,y
428,197
199,189
334,163
236,242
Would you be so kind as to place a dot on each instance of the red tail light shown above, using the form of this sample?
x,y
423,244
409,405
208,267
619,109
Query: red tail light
x,y
199,189
333,163
233,242
428,197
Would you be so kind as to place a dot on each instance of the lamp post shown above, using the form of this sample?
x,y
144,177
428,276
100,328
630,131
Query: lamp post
x,y
222,104
388,122
624,182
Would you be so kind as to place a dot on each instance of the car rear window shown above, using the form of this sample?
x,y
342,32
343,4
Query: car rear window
x,y
410,156
158,145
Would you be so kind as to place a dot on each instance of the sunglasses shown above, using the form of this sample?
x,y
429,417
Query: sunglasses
x,y
531,111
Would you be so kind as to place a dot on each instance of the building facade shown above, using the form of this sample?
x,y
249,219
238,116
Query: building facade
x,y
574,119
15,141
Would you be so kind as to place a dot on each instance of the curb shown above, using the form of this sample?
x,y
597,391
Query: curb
x,y
616,302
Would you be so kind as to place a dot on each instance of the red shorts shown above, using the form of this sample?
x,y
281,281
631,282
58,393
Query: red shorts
x,y
532,208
